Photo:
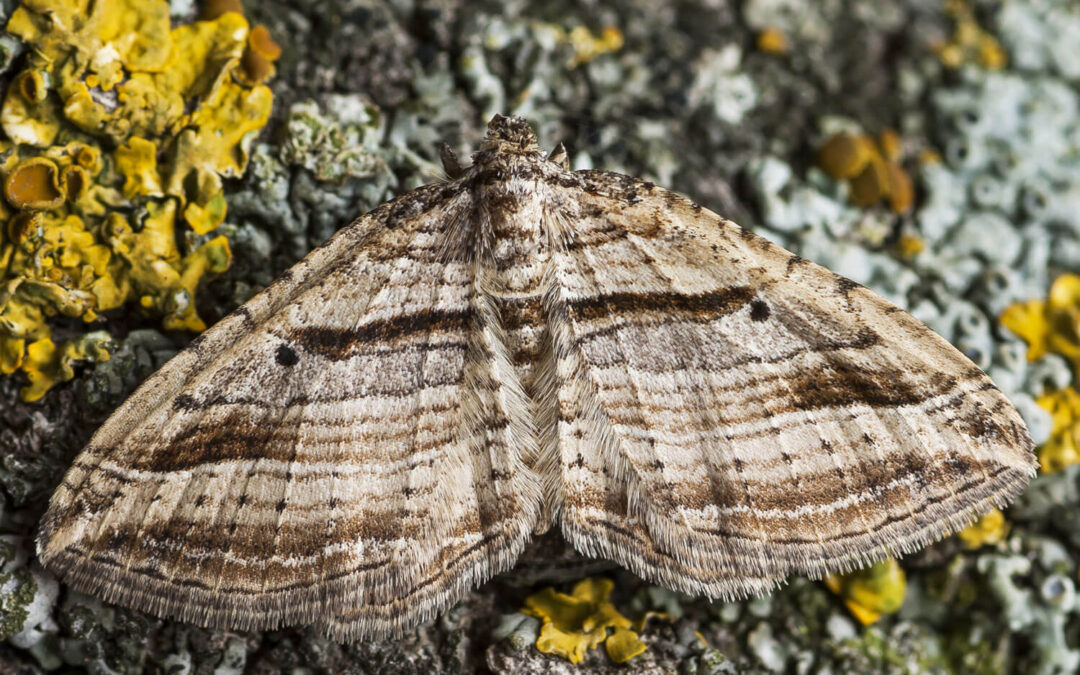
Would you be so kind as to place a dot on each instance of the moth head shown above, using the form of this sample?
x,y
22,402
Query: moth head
x,y
514,132
511,138
508,138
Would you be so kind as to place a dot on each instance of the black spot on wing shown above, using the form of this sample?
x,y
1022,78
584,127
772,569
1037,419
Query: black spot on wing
x,y
759,311
286,356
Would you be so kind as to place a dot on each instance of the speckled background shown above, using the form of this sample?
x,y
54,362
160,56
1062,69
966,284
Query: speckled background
x,y
364,94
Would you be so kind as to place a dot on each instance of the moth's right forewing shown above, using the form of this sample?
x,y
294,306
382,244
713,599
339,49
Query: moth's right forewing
x,y
731,413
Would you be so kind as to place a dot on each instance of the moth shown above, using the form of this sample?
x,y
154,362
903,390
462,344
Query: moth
x,y
519,348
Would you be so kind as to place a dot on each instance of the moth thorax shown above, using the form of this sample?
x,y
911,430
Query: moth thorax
x,y
518,245
521,261
517,255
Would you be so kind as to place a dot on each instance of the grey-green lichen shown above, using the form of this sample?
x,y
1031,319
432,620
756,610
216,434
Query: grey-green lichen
x,y
329,165
17,588
680,94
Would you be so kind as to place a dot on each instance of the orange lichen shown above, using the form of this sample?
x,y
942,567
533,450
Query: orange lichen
x,y
900,191
212,9
843,156
259,56
870,185
772,41
34,184
262,42
872,169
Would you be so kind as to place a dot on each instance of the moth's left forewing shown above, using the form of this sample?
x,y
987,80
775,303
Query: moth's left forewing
x,y
345,449
752,410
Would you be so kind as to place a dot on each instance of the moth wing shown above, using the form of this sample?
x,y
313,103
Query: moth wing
x,y
343,449
731,413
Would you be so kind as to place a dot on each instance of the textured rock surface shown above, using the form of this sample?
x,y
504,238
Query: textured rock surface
x,y
364,94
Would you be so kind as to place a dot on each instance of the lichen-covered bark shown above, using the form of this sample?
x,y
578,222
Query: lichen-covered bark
x,y
685,95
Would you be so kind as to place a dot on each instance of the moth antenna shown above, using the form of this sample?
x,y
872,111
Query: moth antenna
x,y
560,156
450,162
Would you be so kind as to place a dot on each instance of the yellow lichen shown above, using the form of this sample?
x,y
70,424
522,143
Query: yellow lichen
x,y
588,46
137,32
136,161
213,257
990,529
46,364
74,183
870,167
909,246
1051,325
151,119
871,592
929,157
33,85
970,43
573,624
623,645
29,121
1063,447
12,353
